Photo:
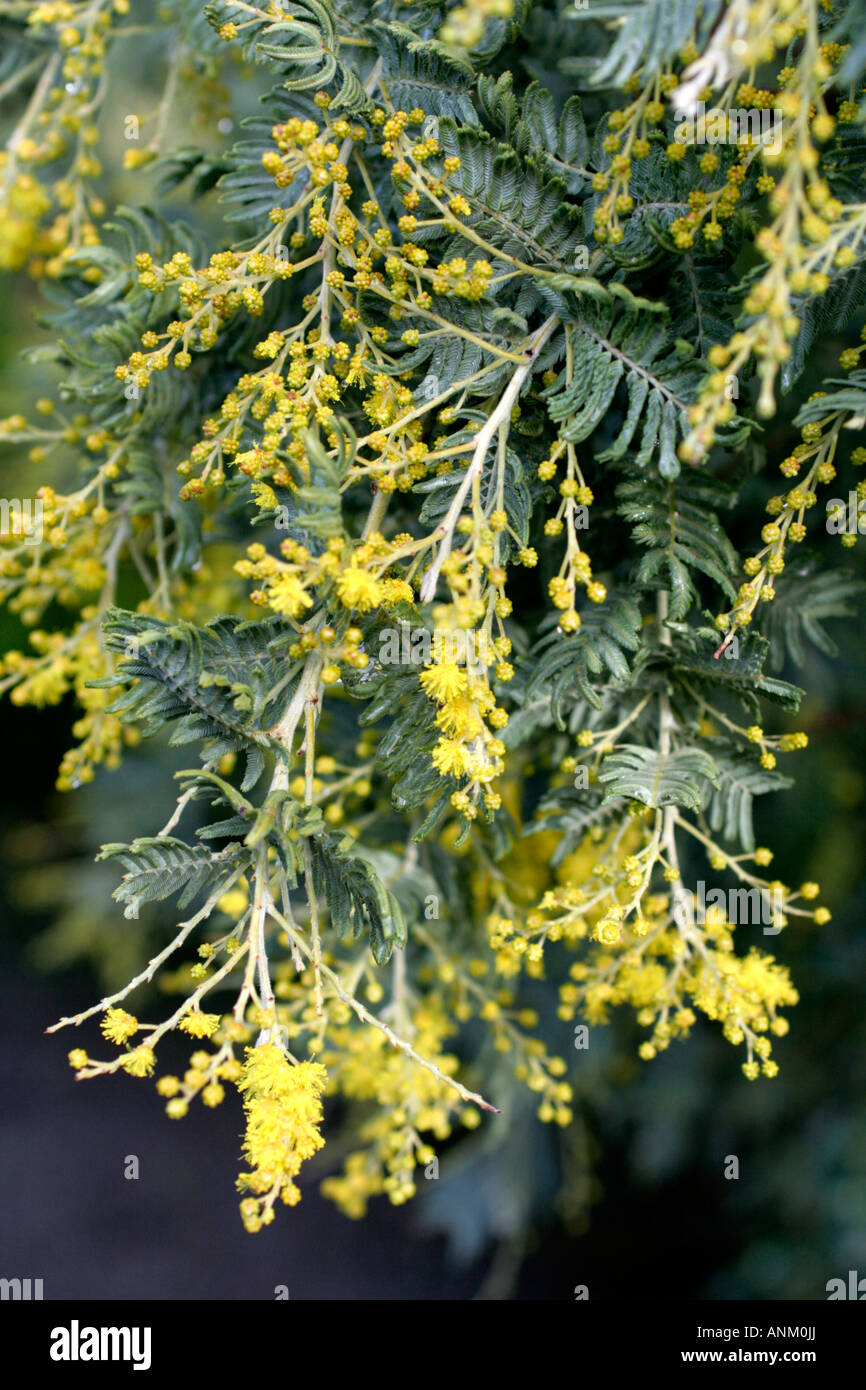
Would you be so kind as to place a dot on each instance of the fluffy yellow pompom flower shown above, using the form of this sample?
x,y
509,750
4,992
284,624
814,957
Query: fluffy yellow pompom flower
x,y
286,594
199,1025
397,591
140,1061
118,1025
359,590
443,682
450,756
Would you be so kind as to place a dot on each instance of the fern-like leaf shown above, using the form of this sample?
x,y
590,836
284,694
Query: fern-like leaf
x,y
656,779
596,653
675,521
804,602
221,685
728,804
613,345
158,868
649,33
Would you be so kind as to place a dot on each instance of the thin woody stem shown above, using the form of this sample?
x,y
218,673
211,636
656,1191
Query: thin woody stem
x,y
497,420
257,943
150,969
366,1017
159,1030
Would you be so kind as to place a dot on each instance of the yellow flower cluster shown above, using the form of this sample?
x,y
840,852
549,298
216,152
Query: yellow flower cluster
x,y
466,714
308,371
283,1114
51,552
787,525
65,550
58,126
354,575
630,131
412,1105
66,663
571,516
21,212
647,948
812,233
